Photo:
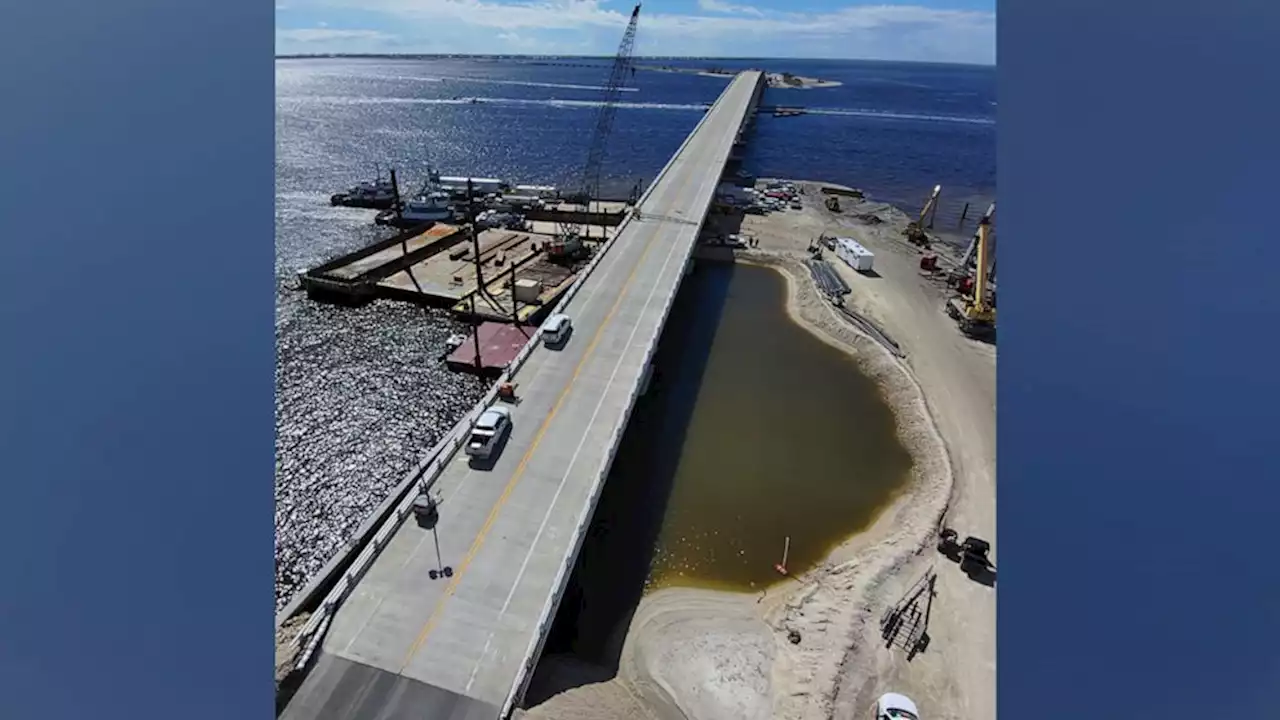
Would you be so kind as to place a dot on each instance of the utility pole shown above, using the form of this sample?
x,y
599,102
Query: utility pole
x,y
475,332
515,316
475,252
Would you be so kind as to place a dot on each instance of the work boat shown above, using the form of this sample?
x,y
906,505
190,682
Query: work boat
x,y
426,207
430,204
379,195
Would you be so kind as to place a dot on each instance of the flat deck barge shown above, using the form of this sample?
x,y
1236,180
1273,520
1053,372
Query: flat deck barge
x,y
436,266
499,344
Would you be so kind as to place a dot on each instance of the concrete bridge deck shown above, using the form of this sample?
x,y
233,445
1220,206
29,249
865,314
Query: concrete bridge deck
x,y
405,645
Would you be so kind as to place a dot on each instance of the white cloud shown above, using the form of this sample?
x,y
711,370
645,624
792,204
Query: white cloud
x,y
719,6
889,32
325,35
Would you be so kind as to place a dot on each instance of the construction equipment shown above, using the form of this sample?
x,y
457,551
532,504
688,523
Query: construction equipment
x,y
565,248
976,313
915,229
970,253
973,555
833,203
570,230
906,623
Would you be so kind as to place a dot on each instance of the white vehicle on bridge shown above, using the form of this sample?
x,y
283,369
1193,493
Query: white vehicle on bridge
x,y
892,706
488,432
556,330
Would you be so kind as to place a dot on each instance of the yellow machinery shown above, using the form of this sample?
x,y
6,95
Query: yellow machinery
x,y
977,313
915,229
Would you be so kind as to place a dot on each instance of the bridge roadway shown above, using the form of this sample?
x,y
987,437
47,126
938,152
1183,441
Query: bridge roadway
x,y
404,645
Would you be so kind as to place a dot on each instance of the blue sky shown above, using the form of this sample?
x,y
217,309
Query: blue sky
x,y
927,30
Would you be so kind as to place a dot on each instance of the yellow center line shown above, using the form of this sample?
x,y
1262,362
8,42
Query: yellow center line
x,y
524,461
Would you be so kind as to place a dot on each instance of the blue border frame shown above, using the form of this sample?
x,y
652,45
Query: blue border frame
x,y
1137,369
136,147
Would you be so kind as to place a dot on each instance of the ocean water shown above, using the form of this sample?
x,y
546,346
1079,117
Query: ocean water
x,y
360,394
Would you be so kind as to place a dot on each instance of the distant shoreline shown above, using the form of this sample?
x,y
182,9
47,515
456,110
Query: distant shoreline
x,y
779,80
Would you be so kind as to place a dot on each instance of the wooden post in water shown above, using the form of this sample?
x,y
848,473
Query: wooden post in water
x,y
965,211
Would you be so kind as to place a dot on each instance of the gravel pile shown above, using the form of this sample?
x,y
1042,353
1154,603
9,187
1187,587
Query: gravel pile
x,y
361,394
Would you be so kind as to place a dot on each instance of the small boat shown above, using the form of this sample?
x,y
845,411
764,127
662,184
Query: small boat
x,y
787,112
380,194
431,204
426,207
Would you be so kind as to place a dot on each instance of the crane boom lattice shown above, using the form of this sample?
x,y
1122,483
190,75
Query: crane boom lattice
x,y
588,187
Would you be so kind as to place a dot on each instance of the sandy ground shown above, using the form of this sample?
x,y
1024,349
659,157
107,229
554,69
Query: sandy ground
x,y
811,648
286,651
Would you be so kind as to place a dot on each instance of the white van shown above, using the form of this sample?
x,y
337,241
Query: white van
x,y
556,330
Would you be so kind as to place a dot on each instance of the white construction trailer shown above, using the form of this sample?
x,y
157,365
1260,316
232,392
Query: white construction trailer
x,y
854,255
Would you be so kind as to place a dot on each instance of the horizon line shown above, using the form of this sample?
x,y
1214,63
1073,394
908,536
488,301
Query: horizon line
x,y
504,56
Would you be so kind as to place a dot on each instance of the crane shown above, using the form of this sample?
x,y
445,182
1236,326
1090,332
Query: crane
x,y
973,244
569,240
977,313
915,229
961,273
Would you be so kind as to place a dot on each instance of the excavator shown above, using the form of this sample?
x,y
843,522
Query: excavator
x,y
915,229
976,312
